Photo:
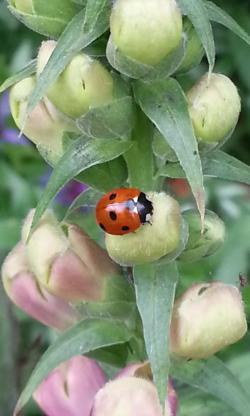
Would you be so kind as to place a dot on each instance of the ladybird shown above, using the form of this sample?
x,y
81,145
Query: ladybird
x,y
123,210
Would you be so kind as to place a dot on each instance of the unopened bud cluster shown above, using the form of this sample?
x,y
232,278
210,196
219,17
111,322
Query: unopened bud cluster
x,y
79,387
54,268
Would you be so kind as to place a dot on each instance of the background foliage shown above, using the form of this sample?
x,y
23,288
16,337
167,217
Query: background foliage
x,y
23,175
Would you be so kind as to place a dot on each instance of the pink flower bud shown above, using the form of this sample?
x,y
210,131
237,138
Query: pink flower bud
x,y
133,393
143,370
66,261
23,289
128,396
70,389
207,318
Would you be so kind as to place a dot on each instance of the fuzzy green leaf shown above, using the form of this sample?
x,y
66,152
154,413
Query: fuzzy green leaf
x,y
28,70
87,198
165,104
137,70
155,286
113,120
81,155
216,164
197,13
86,336
213,377
218,15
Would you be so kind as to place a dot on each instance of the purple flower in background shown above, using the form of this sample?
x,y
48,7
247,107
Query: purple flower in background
x,y
8,134
69,192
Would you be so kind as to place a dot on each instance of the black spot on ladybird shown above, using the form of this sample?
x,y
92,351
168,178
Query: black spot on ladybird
x,y
102,226
113,215
112,196
125,228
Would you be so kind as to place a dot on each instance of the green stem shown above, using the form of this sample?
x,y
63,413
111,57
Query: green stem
x,y
140,158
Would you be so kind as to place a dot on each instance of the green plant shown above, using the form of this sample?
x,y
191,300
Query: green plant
x,y
110,142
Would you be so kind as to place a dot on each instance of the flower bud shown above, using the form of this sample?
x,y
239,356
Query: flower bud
x,y
203,244
44,126
133,393
69,390
23,289
47,19
194,50
145,30
152,240
214,107
207,318
143,371
66,261
83,84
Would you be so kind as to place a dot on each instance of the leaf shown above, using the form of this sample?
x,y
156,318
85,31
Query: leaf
x,y
73,39
45,25
134,69
86,336
95,10
213,377
113,120
216,164
219,15
28,70
197,13
234,255
165,104
224,166
87,198
81,155
106,176
123,311
155,291
115,356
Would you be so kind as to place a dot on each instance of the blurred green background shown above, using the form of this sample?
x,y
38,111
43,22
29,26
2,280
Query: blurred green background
x,y
23,175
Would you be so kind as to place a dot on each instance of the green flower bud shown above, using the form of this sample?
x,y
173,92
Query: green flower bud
x,y
145,30
47,18
153,240
207,318
214,107
84,83
203,244
45,126
194,49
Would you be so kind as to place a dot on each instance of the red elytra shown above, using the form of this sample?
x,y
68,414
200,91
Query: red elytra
x,y
123,210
